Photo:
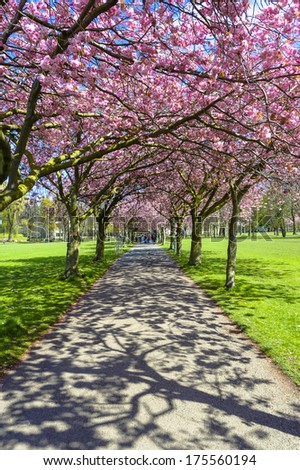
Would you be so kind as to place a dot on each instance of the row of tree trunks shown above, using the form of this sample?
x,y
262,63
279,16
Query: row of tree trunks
x,y
196,236
176,230
176,224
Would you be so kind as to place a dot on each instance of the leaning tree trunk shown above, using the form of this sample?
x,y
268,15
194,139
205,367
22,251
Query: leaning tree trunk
x,y
101,237
74,239
179,227
236,197
172,233
196,243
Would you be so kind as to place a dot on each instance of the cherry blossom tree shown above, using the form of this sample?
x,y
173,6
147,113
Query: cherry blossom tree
x,y
75,66
82,44
214,83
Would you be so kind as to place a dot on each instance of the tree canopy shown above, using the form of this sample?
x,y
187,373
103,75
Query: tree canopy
x,y
110,91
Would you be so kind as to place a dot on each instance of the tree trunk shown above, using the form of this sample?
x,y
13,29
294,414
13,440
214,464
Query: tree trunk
x,y
172,233
10,227
179,227
283,228
101,236
162,235
74,239
11,221
131,236
236,197
294,221
196,243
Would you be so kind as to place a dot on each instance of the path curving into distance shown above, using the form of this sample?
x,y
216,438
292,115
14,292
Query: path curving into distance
x,y
145,360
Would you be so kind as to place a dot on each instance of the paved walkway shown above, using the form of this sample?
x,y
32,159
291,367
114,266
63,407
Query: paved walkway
x,y
146,361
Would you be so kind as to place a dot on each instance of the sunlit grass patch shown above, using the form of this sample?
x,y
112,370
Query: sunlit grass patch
x,y
33,296
266,300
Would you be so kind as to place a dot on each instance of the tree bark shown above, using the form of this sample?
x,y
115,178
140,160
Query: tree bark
x,y
179,227
293,221
10,226
172,233
30,119
283,228
74,240
162,235
101,237
132,236
196,243
5,157
236,197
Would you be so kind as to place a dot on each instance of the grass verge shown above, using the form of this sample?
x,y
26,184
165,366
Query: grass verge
x,y
33,297
266,300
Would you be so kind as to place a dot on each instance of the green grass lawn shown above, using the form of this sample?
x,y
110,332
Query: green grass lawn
x,y
32,294
266,300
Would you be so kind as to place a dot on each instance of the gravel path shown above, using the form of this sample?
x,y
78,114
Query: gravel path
x,y
146,361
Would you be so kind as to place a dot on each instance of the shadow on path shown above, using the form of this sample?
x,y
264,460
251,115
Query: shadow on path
x,y
146,361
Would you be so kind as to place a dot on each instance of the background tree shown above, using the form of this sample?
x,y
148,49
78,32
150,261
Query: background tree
x,y
11,219
280,207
